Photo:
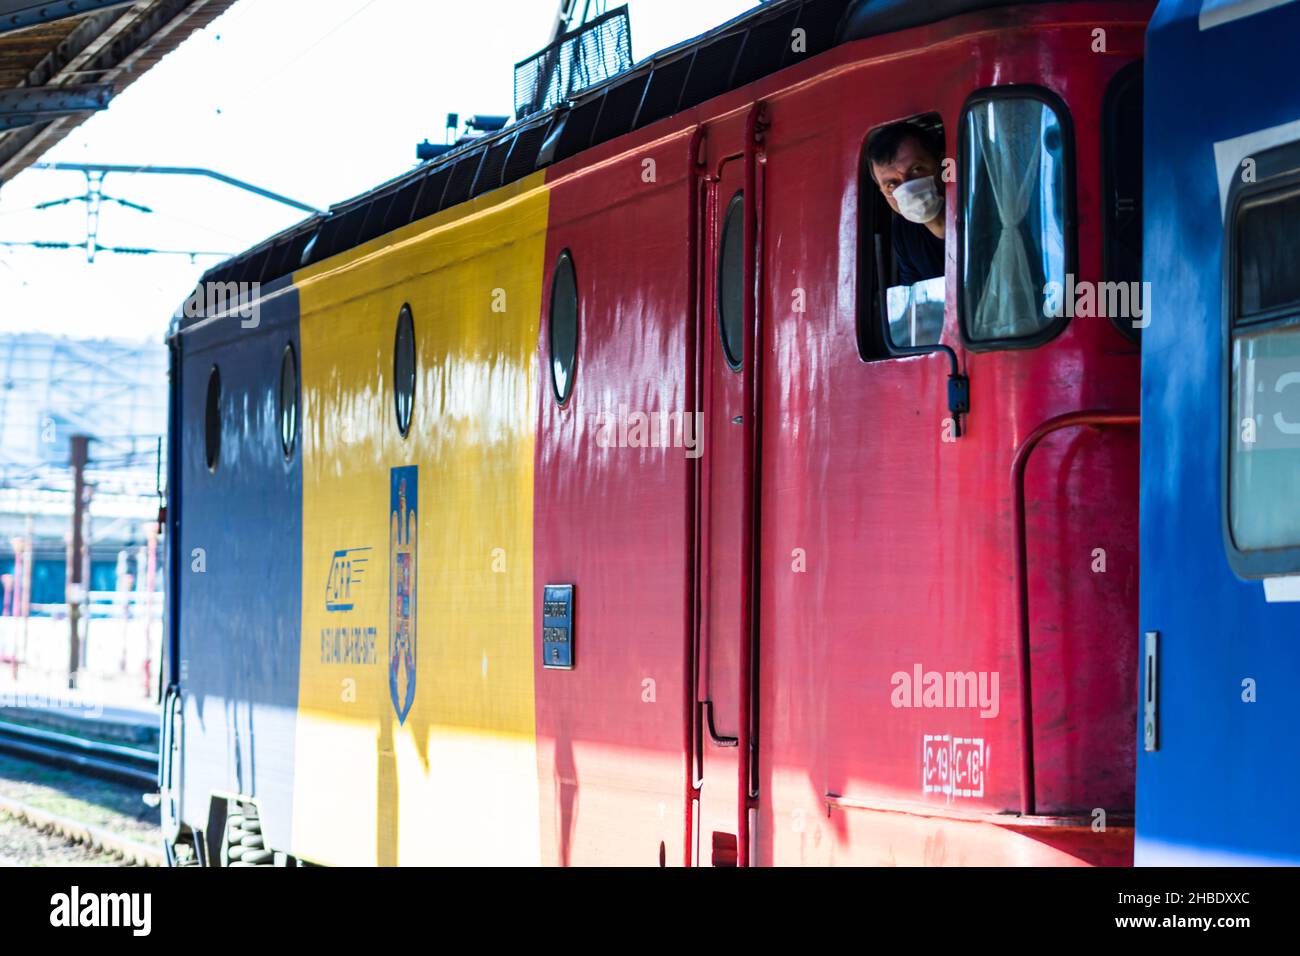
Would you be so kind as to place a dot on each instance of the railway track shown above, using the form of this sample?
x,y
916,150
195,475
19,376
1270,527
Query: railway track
x,y
91,839
96,758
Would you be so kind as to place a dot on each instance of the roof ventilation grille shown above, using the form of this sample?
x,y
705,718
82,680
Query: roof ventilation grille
x,y
581,58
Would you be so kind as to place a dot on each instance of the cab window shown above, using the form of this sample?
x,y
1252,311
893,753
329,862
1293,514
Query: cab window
x,y
1014,217
902,251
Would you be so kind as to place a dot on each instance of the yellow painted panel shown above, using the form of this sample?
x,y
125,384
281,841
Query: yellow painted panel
x,y
456,781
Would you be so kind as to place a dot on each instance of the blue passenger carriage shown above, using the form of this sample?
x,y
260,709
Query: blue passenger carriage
x,y
1218,781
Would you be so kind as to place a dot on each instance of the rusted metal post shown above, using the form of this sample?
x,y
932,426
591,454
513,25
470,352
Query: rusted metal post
x,y
76,564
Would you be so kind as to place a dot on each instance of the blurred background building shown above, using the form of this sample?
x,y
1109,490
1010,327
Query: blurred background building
x,y
114,392
52,388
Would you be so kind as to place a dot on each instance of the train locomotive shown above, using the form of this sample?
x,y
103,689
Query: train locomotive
x,y
598,493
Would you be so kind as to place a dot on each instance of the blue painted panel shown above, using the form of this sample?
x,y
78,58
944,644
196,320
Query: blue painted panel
x,y
1224,785
240,617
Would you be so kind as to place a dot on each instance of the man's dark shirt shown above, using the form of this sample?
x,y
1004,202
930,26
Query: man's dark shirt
x,y
917,251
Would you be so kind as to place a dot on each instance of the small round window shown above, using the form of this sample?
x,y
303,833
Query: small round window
x,y
212,420
564,327
731,283
404,370
288,401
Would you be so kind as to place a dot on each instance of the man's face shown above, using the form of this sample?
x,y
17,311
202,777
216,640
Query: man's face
x,y
911,162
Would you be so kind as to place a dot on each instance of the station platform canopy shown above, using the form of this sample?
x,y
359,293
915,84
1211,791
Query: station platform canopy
x,y
63,60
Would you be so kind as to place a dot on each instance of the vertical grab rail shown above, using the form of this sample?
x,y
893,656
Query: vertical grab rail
x,y
755,126
1094,419
694,564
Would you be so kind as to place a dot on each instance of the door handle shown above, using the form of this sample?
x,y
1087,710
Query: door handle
x,y
707,706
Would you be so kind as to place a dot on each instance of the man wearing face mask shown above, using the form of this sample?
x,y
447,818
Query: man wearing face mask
x,y
905,160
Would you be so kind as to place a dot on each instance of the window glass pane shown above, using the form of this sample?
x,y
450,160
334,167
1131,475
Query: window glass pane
x,y
564,327
212,420
1264,479
404,370
1268,244
288,401
916,313
1014,218
731,283
1122,182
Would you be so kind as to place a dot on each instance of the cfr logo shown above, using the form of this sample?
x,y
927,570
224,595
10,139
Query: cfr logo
x,y
347,569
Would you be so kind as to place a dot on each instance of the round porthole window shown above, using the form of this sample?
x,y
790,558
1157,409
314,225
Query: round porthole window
x,y
404,370
564,327
731,283
288,401
212,420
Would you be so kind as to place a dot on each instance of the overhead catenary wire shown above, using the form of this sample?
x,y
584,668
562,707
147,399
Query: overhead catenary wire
x,y
119,250
258,85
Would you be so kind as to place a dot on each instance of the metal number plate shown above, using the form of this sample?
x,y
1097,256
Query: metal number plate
x,y
557,627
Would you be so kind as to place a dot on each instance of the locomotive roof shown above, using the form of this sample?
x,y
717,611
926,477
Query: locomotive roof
x,y
740,51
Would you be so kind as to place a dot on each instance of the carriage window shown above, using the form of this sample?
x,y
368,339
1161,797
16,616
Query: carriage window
x,y
731,283
288,401
902,259
564,327
212,420
1264,466
1268,247
1014,218
404,370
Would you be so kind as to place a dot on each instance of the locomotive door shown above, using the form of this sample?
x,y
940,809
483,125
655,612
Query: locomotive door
x,y
729,205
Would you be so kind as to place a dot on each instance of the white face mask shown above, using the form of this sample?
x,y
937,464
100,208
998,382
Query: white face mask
x,y
918,199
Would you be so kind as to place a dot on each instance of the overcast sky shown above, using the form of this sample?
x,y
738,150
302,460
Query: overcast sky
x,y
316,99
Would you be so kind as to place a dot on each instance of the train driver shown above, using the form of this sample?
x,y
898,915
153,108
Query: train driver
x,y
905,161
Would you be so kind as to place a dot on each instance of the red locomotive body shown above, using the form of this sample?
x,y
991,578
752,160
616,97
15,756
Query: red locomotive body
x,y
797,555
801,641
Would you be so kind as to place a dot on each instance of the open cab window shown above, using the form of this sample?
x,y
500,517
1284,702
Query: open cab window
x,y
902,285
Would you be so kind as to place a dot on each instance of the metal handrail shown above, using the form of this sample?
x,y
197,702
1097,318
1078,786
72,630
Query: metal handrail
x,y
756,124
706,707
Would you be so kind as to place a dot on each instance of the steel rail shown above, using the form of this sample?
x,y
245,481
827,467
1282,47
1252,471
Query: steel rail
x,y
92,837
92,757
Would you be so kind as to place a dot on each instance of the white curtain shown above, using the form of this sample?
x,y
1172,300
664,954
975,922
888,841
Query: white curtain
x,y
1007,134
